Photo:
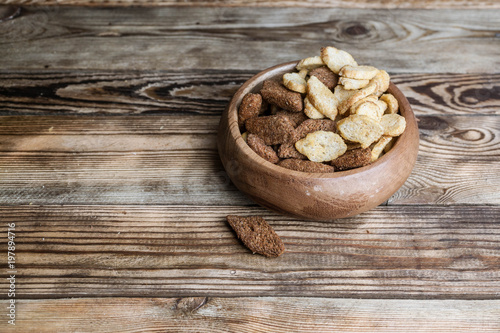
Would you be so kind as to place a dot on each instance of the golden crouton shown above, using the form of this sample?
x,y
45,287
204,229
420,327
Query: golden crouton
x,y
342,95
310,63
353,84
371,98
358,72
393,124
335,59
294,82
356,95
370,109
379,147
321,97
382,105
311,111
321,146
303,73
392,103
381,80
362,129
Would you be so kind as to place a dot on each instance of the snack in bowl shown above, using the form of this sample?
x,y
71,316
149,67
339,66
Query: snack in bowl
x,y
345,103
333,172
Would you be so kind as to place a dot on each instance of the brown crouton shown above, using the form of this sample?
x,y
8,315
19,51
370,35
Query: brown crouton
x,y
355,158
313,125
326,76
295,117
257,235
305,166
250,107
288,150
272,129
277,94
263,150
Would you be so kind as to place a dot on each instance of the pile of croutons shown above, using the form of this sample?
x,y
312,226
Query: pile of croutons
x,y
330,115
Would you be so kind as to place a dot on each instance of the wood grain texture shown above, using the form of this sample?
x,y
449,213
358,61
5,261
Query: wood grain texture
x,y
270,3
207,92
116,93
158,159
458,156
173,251
258,315
464,94
108,167
100,125
249,38
138,160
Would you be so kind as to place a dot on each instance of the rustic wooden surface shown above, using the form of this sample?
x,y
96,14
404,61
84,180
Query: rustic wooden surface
x,y
229,39
430,4
263,315
109,169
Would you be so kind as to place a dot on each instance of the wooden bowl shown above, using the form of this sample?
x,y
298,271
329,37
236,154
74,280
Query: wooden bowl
x,y
314,196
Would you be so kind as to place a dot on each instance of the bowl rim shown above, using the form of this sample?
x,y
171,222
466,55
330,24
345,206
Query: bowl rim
x,y
232,114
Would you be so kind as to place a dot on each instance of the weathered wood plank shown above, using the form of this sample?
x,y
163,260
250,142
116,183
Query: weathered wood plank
x,y
263,314
155,160
171,251
458,162
207,92
435,93
155,177
83,92
90,125
270,3
249,38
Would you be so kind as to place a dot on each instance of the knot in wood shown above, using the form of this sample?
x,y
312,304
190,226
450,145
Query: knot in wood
x,y
9,12
188,305
432,123
356,29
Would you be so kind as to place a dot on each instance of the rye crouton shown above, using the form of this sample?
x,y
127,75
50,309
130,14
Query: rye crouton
x,y
313,125
326,76
352,159
259,146
306,166
288,150
277,94
250,107
296,118
272,129
257,235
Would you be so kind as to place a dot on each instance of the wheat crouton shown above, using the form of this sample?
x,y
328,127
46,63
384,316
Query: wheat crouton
x,y
362,129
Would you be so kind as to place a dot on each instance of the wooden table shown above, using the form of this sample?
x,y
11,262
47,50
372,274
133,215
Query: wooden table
x,y
110,173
